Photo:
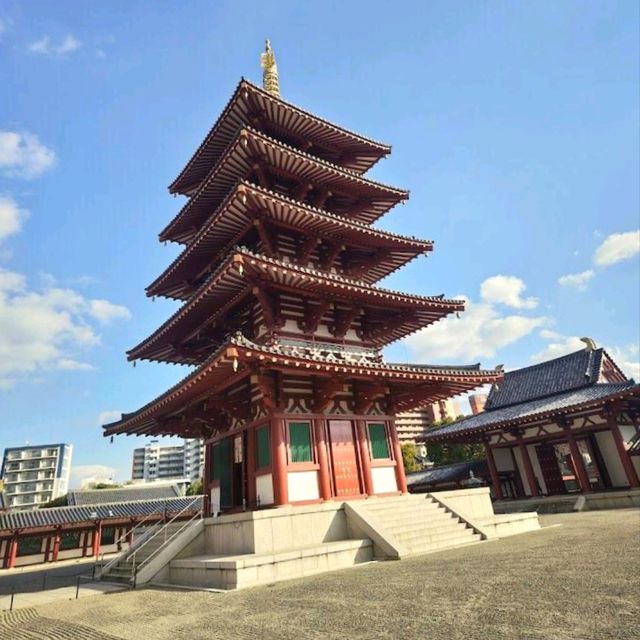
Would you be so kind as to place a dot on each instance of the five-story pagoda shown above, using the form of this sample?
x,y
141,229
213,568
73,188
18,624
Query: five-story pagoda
x,y
280,314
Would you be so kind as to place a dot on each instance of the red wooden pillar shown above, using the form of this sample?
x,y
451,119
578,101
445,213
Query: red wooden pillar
x,y
528,468
251,467
85,543
401,481
279,462
56,547
625,458
47,549
12,552
206,481
493,472
97,534
365,457
578,463
323,460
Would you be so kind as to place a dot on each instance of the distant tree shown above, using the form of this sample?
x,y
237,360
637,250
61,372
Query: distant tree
x,y
409,453
106,485
196,488
56,502
449,453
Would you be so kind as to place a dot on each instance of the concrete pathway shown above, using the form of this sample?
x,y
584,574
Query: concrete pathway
x,y
35,598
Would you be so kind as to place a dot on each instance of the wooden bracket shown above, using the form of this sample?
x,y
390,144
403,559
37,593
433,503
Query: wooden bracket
x,y
343,321
324,391
313,316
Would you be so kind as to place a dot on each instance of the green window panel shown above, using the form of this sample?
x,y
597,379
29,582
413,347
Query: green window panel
x,y
264,447
70,540
378,440
300,441
29,546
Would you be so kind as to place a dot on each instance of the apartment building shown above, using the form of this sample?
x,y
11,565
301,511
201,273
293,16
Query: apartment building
x,y
168,462
35,475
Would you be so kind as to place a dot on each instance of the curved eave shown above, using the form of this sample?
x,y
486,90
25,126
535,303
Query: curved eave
x,y
236,359
476,433
363,152
247,202
238,161
232,281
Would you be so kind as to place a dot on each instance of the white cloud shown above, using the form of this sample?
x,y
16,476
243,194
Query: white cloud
x,y
41,330
11,217
109,416
562,346
480,332
46,47
68,364
105,311
23,155
628,359
548,334
91,472
578,280
506,290
617,247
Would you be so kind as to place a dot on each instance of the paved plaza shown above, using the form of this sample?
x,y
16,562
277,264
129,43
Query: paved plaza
x,y
575,581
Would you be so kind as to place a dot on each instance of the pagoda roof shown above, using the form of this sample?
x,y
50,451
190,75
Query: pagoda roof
x,y
234,279
250,104
238,357
247,203
250,147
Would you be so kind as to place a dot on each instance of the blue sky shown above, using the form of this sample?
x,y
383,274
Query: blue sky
x,y
515,125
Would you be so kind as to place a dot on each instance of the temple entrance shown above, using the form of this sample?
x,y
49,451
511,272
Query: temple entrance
x,y
553,478
344,461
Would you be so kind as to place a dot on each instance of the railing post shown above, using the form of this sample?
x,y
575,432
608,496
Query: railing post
x,y
13,595
78,587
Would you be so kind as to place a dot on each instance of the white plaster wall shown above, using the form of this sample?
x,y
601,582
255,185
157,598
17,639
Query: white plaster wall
x,y
537,471
627,432
611,457
384,479
303,485
504,461
215,501
521,471
264,489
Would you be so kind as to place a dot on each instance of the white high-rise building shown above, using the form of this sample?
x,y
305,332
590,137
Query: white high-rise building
x,y
168,462
35,475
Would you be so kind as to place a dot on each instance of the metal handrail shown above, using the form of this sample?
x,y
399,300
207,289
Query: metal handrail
x,y
164,528
130,532
136,568
124,555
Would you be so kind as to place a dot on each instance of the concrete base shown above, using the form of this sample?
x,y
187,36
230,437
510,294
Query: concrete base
x,y
249,570
620,499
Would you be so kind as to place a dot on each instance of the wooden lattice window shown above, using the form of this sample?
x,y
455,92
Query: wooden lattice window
x,y
378,441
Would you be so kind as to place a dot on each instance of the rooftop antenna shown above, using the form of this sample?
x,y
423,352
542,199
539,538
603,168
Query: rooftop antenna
x,y
270,82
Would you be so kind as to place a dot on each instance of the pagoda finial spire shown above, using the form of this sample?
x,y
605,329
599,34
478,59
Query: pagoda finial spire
x,y
270,81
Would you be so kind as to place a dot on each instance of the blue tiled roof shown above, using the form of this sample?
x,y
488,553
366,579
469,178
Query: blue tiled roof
x,y
105,512
528,410
124,494
447,473
567,373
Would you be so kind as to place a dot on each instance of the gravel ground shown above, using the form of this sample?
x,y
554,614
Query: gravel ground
x,y
579,580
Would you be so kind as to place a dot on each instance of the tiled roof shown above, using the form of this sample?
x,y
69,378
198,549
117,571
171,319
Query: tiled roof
x,y
537,408
105,512
447,473
124,494
555,376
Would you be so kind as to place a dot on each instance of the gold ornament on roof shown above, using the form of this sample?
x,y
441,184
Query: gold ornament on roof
x,y
270,81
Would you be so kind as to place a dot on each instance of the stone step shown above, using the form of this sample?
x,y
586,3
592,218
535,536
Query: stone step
x,y
409,518
404,510
442,546
452,537
382,505
427,528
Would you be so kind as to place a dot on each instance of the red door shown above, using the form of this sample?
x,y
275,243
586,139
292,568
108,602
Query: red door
x,y
343,458
550,469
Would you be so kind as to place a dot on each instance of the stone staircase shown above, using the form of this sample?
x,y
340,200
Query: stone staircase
x,y
123,571
416,524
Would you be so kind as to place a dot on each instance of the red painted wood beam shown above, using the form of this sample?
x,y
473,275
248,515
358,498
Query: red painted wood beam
x,y
493,472
625,458
528,468
365,456
279,462
324,482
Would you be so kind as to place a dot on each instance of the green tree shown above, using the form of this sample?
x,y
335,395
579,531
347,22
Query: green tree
x,y
449,453
409,452
56,502
196,488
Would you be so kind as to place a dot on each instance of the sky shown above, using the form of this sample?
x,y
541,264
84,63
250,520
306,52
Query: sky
x,y
514,125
